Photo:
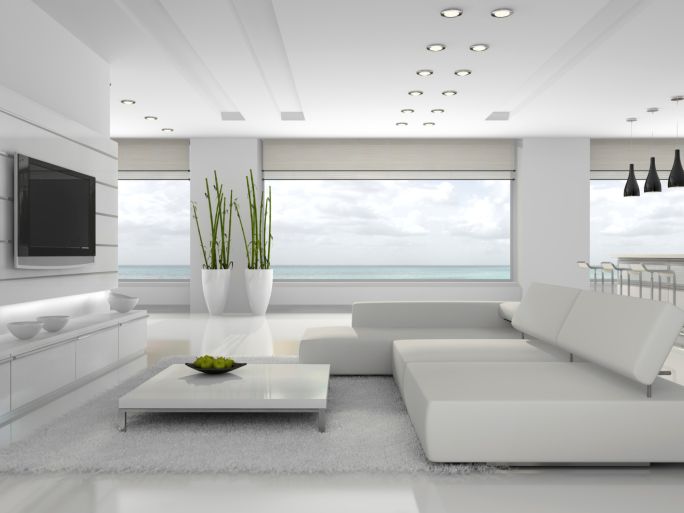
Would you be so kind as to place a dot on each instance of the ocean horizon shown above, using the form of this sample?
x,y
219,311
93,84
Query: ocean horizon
x,y
337,272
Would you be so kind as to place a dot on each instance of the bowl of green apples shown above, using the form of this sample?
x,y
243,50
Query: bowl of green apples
x,y
214,364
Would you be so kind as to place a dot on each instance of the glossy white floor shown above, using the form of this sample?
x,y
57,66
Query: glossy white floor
x,y
656,488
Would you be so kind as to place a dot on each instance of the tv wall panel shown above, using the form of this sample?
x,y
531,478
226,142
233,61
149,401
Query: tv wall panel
x,y
105,261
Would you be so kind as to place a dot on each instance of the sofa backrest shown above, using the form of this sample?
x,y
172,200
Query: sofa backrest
x,y
627,335
427,314
543,311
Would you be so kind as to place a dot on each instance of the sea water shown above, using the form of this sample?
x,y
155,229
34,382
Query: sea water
x,y
338,272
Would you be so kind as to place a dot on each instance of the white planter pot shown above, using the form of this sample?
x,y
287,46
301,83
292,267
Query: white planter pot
x,y
259,284
215,284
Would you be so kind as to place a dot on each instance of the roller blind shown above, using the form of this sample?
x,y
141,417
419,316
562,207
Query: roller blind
x,y
610,158
389,158
154,155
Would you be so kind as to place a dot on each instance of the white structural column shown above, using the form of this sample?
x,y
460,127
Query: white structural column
x,y
232,158
551,213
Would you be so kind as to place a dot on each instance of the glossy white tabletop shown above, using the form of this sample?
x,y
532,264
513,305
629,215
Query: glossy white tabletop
x,y
254,386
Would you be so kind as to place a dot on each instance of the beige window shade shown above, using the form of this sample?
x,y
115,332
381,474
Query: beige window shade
x,y
403,157
154,154
610,158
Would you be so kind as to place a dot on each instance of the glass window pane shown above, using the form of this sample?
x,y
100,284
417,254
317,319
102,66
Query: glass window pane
x,y
646,224
391,229
154,229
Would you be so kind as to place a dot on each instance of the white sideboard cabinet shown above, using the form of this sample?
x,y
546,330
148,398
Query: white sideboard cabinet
x,y
34,372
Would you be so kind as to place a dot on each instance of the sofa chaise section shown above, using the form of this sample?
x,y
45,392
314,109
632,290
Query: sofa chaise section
x,y
598,411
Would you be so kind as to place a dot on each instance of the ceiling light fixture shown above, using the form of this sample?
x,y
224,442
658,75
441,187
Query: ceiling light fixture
x,y
479,47
451,12
632,186
151,118
462,72
436,47
676,178
449,92
127,101
415,93
401,123
652,183
502,12
167,129
424,72
437,111
407,111
428,123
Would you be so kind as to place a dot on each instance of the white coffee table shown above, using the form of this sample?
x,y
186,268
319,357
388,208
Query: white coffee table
x,y
252,388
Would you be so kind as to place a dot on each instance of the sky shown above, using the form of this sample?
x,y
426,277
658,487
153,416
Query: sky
x,y
154,222
650,223
391,222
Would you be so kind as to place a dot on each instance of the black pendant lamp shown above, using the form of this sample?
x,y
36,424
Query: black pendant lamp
x,y
632,186
652,179
676,178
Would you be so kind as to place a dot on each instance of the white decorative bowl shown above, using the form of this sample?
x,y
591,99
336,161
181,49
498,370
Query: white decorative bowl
x,y
122,303
24,330
53,323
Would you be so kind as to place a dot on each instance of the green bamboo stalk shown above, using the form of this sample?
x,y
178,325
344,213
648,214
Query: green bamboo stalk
x,y
199,232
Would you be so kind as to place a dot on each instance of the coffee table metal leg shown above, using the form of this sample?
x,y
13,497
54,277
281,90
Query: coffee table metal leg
x,y
124,422
321,421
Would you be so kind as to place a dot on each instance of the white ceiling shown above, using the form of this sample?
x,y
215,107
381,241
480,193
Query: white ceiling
x,y
569,68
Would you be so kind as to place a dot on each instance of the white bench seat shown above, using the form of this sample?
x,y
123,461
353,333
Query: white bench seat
x,y
532,412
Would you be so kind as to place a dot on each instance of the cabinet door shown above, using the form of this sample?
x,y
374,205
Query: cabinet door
x,y
96,350
4,386
42,371
132,337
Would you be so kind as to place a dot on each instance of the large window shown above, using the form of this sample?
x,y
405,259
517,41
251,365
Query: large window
x,y
391,229
652,223
154,229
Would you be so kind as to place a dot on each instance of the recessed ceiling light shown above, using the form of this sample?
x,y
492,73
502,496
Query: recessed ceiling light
x,y
407,111
502,12
436,47
167,129
127,101
451,12
424,72
151,118
415,93
479,47
462,72
401,123
428,123
449,92
437,111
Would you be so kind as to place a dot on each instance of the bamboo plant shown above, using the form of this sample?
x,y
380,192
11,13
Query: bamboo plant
x,y
217,253
258,247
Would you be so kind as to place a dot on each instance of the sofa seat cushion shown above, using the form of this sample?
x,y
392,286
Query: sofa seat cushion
x,y
541,412
464,350
507,309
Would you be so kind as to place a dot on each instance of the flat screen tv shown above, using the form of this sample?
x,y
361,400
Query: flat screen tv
x,y
54,215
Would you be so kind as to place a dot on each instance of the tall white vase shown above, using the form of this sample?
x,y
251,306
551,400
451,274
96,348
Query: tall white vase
x,y
215,283
259,284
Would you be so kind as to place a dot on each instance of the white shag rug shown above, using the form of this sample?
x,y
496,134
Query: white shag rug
x,y
368,430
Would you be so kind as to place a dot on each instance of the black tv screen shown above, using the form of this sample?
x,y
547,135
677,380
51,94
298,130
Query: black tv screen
x,y
55,215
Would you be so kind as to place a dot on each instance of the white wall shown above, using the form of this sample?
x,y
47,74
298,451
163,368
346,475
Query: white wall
x,y
54,106
551,216
232,159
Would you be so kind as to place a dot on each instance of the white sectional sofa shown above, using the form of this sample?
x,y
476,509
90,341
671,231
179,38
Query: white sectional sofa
x,y
510,401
